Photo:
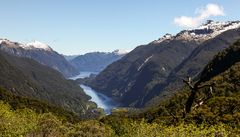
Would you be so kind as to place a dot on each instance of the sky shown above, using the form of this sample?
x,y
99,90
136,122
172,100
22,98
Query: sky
x,y
79,26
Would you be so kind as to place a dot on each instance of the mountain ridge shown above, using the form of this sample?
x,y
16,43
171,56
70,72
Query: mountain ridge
x,y
96,61
27,78
123,80
40,52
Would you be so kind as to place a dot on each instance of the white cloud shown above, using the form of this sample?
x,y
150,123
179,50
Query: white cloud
x,y
188,22
202,13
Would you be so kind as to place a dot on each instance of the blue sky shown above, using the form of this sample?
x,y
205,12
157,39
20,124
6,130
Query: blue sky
x,y
80,26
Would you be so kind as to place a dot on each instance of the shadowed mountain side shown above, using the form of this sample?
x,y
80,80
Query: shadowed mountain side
x,y
46,56
157,68
194,64
26,77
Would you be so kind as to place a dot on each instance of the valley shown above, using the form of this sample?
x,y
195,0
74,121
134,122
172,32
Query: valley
x,y
119,69
102,101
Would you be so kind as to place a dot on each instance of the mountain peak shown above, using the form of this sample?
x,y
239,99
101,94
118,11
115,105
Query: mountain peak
x,y
120,52
3,40
9,43
167,36
37,45
208,30
210,24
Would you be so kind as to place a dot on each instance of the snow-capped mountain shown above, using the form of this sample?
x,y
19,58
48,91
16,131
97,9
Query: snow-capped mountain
x,y
36,45
40,52
120,52
206,31
156,68
165,37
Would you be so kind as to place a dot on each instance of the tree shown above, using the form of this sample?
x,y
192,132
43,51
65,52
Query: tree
x,y
194,87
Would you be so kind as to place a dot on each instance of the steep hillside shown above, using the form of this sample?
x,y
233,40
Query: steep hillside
x,y
95,61
40,52
195,63
218,99
25,77
149,69
18,102
222,62
130,78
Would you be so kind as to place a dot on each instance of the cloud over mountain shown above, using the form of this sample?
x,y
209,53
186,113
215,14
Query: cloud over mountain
x,y
202,13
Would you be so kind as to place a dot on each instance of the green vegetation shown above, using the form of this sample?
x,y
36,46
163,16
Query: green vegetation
x,y
25,122
18,102
26,77
214,111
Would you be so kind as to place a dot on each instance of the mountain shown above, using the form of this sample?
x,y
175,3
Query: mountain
x,y
40,52
226,62
195,63
218,99
19,102
70,57
96,61
25,77
149,70
214,112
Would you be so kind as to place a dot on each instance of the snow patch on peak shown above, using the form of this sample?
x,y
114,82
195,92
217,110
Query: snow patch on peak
x,y
208,30
120,52
10,43
218,26
165,37
4,40
36,45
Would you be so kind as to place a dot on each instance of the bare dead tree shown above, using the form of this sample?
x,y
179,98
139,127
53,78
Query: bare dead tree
x,y
194,87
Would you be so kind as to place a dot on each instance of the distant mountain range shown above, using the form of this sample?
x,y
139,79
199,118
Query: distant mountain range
x,y
70,57
95,61
156,69
40,52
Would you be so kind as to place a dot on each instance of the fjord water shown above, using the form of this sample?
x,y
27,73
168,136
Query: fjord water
x,y
101,100
83,74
